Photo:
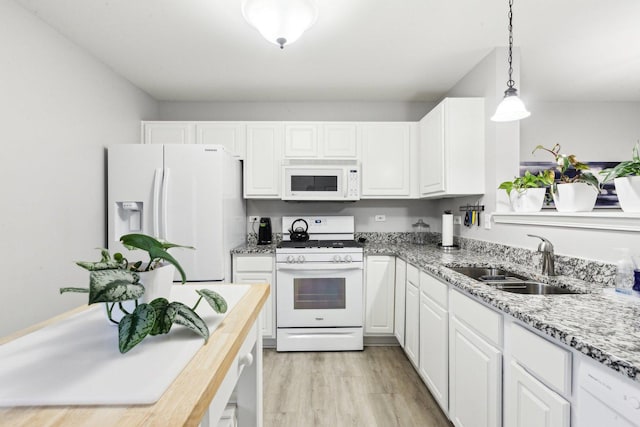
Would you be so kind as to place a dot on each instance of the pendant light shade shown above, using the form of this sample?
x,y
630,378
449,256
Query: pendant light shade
x,y
511,108
280,21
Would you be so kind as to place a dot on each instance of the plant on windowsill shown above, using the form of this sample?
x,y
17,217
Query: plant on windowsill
x,y
113,280
626,177
576,192
526,193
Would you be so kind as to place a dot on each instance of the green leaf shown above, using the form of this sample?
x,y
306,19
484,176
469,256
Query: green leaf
x,y
155,248
105,263
187,317
80,290
114,286
165,316
134,327
215,300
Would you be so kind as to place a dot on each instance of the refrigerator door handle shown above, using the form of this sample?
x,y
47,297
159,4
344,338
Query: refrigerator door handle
x,y
165,204
157,184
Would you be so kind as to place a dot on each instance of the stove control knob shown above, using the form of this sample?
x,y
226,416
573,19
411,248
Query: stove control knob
x,y
336,258
290,259
348,258
300,259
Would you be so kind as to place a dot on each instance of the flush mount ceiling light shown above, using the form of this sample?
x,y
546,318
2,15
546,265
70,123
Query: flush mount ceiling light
x,y
280,21
511,108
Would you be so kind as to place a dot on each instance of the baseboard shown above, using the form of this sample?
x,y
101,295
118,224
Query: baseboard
x,y
382,341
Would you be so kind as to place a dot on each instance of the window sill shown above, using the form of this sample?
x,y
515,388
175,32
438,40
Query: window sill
x,y
597,220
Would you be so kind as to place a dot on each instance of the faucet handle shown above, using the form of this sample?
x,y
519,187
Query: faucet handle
x,y
545,245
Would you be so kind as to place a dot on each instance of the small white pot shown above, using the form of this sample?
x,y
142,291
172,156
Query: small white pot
x,y
628,191
529,200
157,282
575,197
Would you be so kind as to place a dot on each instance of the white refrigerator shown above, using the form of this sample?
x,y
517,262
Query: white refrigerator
x,y
185,194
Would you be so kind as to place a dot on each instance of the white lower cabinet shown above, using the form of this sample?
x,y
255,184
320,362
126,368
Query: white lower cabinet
x,y
475,366
529,403
412,316
379,290
250,269
434,339
400,300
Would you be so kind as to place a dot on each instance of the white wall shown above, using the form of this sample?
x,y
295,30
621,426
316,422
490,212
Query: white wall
x,y
504,142
339,111
59,109
603,131
400,214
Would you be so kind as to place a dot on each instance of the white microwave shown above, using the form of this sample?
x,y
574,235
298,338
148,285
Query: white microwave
x,y
320,180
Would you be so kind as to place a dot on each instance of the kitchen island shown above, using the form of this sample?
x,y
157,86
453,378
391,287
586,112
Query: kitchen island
x,y
231,359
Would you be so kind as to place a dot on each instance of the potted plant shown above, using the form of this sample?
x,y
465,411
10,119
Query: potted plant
x,y
113,280
526,193
626,177
575,190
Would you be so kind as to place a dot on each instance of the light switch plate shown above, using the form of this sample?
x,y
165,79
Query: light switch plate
x,y
457,220
381,218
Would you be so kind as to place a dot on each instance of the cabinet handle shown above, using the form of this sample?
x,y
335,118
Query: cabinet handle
x,y
246,360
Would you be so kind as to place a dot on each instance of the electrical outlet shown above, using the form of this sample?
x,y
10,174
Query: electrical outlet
x,y
457,220
381,218
254,218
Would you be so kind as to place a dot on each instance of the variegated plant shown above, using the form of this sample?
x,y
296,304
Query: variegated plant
x,y
111,282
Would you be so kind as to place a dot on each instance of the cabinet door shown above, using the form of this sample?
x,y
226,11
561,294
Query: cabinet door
x,y
412,327
339,141
386,160
168,132
432,151
475,378
262,166
529,403
400,289
267,318
379,291
231,135
434,349
301,140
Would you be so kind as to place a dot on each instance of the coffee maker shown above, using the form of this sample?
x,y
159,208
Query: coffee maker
x,y
264,231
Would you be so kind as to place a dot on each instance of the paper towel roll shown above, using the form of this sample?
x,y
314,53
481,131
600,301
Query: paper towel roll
x,y
447,230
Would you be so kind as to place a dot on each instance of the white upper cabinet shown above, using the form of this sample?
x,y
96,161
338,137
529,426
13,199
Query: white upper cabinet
x,y
387,160
320,140
231,135
168,132
263,164
340,141
452,149
301,140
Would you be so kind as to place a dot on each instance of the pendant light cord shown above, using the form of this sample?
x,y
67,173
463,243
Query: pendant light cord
x,y
510,82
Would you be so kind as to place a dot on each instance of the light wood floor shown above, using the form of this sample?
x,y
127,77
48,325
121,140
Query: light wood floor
x,y
374,387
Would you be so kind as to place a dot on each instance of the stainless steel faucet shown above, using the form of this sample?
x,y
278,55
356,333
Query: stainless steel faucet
x,y
546,248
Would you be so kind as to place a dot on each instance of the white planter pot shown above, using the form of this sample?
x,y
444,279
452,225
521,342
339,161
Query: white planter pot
x,y
575,197
529,200
628,191
157,283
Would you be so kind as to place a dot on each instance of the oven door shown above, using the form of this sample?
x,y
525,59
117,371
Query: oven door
x,y
319,295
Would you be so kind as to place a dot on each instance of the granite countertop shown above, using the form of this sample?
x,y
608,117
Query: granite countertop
x,y
603,326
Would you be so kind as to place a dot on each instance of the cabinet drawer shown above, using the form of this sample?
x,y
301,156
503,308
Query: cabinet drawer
x,y
253,263
434,289
413,275
481,319
549,362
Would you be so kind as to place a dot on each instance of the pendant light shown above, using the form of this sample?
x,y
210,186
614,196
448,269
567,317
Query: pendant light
x,y
511,108
280,21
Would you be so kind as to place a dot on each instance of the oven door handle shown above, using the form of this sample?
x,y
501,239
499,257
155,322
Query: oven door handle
x,y
320,267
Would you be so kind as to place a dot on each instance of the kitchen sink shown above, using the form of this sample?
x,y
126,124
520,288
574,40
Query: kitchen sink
x,y
510,282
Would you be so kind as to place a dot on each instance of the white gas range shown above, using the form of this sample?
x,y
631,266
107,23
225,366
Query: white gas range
x,y
319,285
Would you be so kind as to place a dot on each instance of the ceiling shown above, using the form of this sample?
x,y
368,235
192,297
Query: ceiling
x,y
358,50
